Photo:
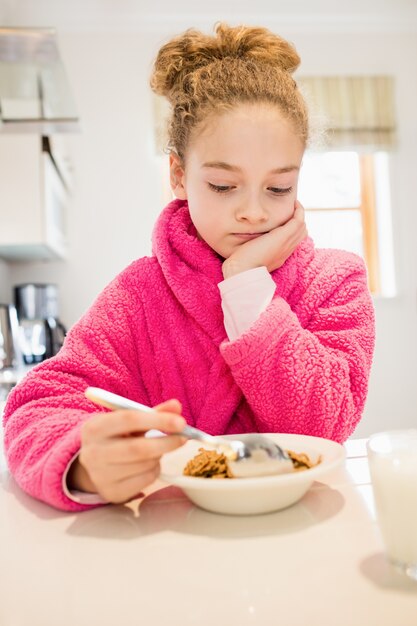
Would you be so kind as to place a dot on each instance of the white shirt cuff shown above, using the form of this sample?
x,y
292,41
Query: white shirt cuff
x,y
244,297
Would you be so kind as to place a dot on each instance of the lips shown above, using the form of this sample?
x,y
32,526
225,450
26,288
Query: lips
x,y
248,235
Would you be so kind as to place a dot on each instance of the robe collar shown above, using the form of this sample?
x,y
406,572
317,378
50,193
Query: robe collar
x,y
193,270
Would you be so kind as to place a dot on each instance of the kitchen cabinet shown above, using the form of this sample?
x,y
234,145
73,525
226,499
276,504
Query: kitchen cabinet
x,y
34,198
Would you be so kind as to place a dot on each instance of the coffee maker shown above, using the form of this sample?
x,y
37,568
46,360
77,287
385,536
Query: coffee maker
x,y
41,333
10,357
11,361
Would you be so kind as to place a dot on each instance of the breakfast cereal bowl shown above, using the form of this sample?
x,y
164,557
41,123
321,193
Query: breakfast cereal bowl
x,y
261,494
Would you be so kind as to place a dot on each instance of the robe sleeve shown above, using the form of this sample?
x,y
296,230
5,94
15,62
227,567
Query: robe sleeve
x,y
45,411
313,376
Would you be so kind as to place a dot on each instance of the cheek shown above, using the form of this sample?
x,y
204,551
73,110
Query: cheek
x,y
286,210
204,219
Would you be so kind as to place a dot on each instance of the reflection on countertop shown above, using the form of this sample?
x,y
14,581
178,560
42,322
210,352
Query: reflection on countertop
x,y
161,560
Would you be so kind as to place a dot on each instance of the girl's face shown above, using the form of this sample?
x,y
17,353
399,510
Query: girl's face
x,y
240,176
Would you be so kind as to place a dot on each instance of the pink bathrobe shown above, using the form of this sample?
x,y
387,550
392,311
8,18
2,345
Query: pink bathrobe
x,y
157,332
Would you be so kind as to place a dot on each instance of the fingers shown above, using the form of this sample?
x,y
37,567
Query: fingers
x,y
117,473
170,406
293,223
127,488
116,457
119,423
120,468
296,226
299,213
134,449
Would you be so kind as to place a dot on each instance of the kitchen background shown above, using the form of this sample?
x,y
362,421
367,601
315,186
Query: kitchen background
x,y
118,176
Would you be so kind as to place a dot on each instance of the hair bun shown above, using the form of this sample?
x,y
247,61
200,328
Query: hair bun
x,y
191,50
257,43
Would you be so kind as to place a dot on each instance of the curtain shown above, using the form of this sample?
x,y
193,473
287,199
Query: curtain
x,y
160,112
350,112
346,112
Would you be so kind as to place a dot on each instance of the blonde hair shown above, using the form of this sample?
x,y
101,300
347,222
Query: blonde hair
x,y
202,75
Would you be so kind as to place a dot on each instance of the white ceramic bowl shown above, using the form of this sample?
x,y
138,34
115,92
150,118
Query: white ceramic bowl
x,y
248,496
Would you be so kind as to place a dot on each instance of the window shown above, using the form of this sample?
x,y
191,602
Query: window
x,y
346,197
344,185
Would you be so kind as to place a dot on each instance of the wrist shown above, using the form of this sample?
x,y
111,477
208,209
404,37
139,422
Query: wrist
x,y
78,479
231,267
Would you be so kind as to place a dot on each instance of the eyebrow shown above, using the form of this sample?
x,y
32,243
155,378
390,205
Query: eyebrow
x,y
234,168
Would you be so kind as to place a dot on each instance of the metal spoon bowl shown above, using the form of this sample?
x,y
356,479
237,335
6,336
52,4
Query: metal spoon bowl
x,y
248,455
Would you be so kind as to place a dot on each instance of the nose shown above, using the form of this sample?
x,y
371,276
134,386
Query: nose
x,y
251,211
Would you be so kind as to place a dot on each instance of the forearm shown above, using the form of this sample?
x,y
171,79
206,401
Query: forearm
x,y
293,382
244,297
39,444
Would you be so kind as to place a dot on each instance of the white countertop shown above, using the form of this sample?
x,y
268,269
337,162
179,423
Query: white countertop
x,y
317,563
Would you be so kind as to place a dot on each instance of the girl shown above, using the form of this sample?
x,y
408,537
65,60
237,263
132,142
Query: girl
x,y
235,323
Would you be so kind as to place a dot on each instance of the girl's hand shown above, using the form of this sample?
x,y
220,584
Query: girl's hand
x,y
271,249
116,460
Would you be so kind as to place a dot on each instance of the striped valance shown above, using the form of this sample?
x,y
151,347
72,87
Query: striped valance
x,y
160,112
354,111
346,112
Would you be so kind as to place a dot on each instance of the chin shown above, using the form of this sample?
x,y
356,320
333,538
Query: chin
x,y
221,255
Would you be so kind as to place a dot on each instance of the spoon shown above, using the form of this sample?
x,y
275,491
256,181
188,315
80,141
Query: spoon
x,y
250,455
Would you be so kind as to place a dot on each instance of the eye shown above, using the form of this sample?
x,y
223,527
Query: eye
x,y
279,191
220,188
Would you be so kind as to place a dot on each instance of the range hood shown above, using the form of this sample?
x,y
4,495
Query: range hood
x,y
35,95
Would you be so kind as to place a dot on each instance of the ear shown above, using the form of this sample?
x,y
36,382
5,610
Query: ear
x,y
177,176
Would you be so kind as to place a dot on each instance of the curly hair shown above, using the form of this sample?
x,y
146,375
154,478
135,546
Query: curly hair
x,y
202,75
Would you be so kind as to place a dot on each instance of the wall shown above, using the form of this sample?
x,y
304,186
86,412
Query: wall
x,y
117,186
119,192
392,399
4,282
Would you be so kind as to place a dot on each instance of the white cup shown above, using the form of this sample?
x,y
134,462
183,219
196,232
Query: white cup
x,y
392,459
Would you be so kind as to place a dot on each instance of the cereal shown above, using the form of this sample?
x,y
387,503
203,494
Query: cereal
x,y
212,464
208,464
301,460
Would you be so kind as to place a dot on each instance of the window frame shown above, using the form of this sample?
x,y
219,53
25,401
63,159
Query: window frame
x,y
368,213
